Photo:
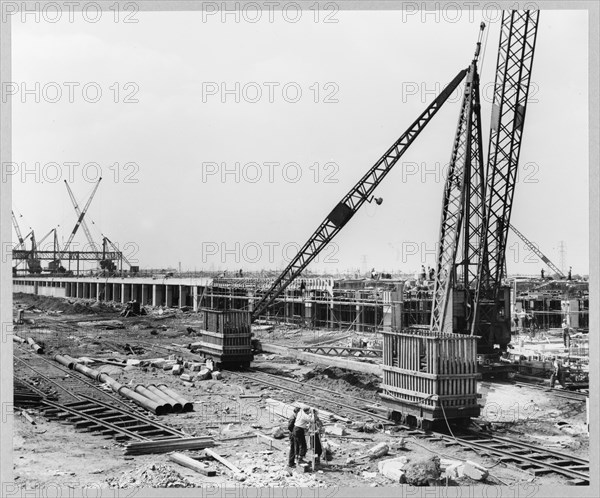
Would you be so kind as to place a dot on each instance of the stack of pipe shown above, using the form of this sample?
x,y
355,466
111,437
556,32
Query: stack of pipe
x,y
157,399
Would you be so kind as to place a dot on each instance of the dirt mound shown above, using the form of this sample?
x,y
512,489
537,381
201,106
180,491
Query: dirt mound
x,y
150,476
340,379
69,306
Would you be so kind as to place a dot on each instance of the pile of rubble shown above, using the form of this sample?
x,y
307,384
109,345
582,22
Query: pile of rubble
x,y
430,471
150,476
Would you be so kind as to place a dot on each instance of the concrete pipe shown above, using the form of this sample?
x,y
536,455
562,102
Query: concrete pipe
x,y
36,347
89,372
16,338
71,360
142,401
177,406
67,362
107,379
188,406
150,395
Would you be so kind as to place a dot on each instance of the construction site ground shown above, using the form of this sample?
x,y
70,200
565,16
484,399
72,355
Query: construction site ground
x,y
51,453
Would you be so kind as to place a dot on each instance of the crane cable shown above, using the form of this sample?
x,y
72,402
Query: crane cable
x,y
487,34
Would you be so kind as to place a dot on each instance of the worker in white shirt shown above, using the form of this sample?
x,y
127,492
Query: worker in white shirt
x,y
301,427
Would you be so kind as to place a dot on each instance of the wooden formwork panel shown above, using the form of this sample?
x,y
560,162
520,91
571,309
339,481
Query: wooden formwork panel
x,y
430,371
227,321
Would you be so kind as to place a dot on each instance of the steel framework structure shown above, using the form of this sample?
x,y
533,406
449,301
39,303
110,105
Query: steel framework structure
x,y
462,204
511,89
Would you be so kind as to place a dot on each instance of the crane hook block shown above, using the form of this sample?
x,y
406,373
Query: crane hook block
x,y
340,215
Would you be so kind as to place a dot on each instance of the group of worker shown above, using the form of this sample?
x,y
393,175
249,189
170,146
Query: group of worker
x,y
304,423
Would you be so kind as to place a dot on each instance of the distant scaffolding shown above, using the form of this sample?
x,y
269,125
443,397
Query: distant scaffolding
x,y
430,376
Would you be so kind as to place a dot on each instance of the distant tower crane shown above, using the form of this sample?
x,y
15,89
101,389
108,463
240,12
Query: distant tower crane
x,y
18,230
80,220
84,225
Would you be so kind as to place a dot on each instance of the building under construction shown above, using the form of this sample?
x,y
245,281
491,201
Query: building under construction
x,y
428,339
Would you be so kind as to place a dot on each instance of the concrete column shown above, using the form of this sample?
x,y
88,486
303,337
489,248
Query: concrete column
x,y
143,299
135,294
125,293
308,311
396,309
157,295
183,294
195,297
169,295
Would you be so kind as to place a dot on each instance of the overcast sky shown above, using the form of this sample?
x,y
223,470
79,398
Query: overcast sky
x,y
371,74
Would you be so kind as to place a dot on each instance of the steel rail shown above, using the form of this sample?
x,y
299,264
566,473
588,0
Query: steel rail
x,y
46,378
73,376
139,417
96,420
301,393
362,400
483,444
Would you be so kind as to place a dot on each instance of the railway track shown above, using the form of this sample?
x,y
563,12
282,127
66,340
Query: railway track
x,y
68,385
319,396
531,458
559,393
93,415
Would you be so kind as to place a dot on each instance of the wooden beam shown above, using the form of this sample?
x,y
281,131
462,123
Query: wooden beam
x,y
225,462
190,463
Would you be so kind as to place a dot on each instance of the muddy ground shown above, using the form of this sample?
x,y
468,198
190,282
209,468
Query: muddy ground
x,y
53,453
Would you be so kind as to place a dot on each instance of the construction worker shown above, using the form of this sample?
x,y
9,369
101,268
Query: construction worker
x,y
316,427
566,335
301,426
293,442
557,373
